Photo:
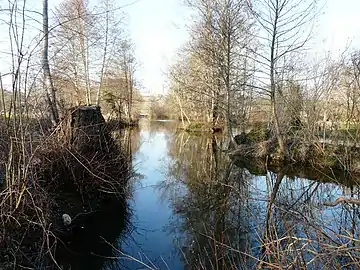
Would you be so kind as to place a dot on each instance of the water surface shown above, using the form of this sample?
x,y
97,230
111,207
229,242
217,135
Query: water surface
x,y
193,208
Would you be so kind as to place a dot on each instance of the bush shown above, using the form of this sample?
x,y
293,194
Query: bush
x,y
66,174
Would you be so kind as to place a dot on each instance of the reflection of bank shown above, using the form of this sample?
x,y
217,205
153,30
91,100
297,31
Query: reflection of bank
x,y
326,175
144,124
167,126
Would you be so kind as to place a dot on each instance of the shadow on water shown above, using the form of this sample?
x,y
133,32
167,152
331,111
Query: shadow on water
x,y
92,244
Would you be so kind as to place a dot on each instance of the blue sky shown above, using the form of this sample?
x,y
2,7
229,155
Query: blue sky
x,y
158,29
339,25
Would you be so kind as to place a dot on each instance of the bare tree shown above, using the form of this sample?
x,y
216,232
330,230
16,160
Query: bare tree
x,y
127,65
48,84
81,13
85,47
285,28
214,70
103,64
70,49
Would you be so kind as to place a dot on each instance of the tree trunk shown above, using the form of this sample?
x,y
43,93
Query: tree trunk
x,y
228,85
48,83
181,111
127,89
84,51
104,56
282,149
130,94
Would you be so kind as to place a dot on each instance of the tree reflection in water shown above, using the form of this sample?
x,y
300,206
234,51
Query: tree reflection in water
x,y
227,218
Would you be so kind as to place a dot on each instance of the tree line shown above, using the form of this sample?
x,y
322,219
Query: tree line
x,y
80,53
250,63
51,61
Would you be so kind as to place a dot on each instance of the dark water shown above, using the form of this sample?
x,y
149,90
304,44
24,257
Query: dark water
x,y
192,208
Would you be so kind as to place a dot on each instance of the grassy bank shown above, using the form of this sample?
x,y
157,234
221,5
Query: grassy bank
x,y
73,170
260,144
202,127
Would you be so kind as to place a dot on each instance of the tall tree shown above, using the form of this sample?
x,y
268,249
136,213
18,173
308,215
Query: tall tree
x,y
219,38
127,66
103,64
285,28
48,84
87,47
71,51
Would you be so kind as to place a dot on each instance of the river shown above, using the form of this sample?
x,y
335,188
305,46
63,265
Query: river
x,y
191,207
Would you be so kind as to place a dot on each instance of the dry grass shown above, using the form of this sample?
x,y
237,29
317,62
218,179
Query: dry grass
x,y
46,176
302,153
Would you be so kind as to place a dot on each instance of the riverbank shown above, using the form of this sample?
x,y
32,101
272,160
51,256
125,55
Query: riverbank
x,y
260,145
202,127
75,171
117,124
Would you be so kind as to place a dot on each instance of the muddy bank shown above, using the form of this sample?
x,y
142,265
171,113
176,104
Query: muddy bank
x,y
261,146
79,171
